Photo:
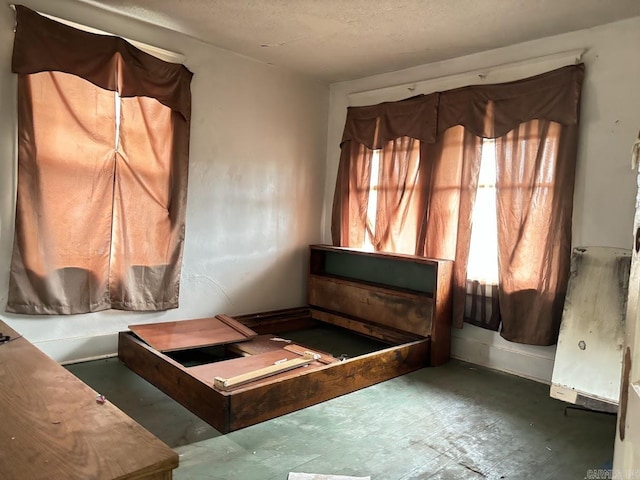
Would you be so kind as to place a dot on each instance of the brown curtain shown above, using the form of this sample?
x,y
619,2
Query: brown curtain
x,y
447,181
400,201
509,112
535,180
100,206
399,129
456,159
351,200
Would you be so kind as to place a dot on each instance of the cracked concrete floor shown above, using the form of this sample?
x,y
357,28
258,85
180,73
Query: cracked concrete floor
x,y
457,421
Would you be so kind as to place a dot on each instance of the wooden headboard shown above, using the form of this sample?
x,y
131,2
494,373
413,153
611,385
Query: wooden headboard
x,y
398,293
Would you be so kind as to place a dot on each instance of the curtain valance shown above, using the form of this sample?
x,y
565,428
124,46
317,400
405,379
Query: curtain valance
x,y
42,44
375,125
488,111
491,111
103,162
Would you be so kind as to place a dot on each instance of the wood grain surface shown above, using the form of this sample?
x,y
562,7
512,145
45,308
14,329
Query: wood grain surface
x,y
245,365
188,334
52,427
270,343
405,311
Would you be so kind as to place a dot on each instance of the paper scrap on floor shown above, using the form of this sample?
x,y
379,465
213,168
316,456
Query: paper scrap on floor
x,y
319,476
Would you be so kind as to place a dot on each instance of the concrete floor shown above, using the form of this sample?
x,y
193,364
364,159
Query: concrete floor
x,y
453,422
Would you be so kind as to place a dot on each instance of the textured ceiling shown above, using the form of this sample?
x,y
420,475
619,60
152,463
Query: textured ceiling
x,y
335,40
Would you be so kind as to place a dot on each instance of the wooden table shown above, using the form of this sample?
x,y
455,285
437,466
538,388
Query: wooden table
x,y
52,426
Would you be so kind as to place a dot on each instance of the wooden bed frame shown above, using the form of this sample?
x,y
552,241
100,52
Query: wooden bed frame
x,y
246,370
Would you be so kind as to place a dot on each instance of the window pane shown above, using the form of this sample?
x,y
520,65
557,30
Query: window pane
x,y
483,252
372,206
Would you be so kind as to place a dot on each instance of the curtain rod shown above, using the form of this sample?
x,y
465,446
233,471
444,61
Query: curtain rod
x,y
163,54
483,75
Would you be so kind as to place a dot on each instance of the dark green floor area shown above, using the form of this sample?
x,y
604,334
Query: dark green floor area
x,y
453,422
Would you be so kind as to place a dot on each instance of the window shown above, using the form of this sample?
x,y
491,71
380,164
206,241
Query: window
x,y
102,173
372,205
481,302
483,251
389,205
482,267
535,125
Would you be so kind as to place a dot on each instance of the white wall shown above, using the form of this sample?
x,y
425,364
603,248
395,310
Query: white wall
x,y
258,149
605,183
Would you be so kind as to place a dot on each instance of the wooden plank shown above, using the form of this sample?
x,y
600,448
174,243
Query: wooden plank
x,y
270,343
274,315
237,326
258,344
278,321
279,366
405,311
318,385
208,373
187,334
323,357
174,380
442,312
51,426
385,334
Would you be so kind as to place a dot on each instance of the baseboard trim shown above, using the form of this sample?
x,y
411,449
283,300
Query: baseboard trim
x,y
484,348
80,349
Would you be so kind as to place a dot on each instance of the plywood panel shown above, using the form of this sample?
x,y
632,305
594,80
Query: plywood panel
x,y
270,343
239,366
187,334
589,353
